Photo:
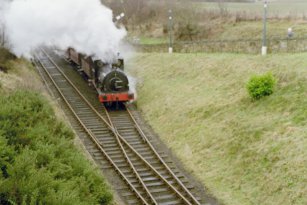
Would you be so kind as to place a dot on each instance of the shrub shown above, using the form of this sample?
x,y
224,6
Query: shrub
x,y
5,57
261,85
39,163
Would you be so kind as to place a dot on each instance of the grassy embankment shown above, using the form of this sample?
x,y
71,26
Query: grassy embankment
x,y
244,152
39,162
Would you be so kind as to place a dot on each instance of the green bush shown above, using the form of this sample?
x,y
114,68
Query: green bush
x,y
261,85
39,163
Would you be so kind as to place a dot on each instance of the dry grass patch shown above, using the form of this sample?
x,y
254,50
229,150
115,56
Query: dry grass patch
x,y
245,152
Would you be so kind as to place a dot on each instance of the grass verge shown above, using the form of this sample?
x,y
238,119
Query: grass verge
x,y
244,152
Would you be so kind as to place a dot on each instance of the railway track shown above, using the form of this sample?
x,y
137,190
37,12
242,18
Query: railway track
x,y
116,137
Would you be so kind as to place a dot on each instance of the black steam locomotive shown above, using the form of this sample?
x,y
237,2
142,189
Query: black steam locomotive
x,y
110,80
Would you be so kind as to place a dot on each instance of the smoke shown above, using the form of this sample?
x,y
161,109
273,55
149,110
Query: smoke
x,y
132,86
85,25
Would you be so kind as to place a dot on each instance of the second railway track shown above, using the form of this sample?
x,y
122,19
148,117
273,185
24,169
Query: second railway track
x,y
116,137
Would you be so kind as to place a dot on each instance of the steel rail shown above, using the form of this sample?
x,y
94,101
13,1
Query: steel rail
x,y
43,77
112,128
95,140
154,170
145,138
120,137
130,163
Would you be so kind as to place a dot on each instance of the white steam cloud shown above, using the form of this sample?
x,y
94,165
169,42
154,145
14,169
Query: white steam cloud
x,y
85,25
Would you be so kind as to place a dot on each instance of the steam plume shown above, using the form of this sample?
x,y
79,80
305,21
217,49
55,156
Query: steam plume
x,y
86,25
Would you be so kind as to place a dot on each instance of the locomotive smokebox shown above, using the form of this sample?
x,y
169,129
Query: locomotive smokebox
x,y
116,81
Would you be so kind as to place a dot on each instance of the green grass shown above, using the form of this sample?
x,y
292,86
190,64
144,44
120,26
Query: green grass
x,y
244,152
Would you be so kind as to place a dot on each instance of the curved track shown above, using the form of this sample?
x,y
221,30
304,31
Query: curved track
x,y
118,137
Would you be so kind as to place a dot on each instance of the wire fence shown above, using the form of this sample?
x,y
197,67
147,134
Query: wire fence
x,y
249,46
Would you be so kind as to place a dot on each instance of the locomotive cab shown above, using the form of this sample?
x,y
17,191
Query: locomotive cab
x,y
119,64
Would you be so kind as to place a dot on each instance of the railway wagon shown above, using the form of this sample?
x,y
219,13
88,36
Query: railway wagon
x,y
87,65
109,80
74,56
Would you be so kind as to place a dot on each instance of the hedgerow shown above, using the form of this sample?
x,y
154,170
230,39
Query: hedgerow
x,y
39,163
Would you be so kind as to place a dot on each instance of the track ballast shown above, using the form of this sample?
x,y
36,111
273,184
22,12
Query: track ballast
x,y
116,137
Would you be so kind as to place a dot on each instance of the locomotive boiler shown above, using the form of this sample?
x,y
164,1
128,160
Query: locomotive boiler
x,y
110,80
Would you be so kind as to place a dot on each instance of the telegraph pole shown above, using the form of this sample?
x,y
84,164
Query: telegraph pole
x,y
170,19
264,40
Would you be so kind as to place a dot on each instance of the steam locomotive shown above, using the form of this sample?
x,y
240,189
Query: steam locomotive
x,y
109,80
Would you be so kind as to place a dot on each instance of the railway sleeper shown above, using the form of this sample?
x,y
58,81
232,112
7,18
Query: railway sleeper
x,y
150,153
96,127
112,149
142,149
132,139
129,134
133,201
81,113
114,152
142,167
136,142
125,128
155,183
106,140
108,145
159,166
162,198
122,121
152,156
173,202
122,167
92,123
72,98
102,134
103,137
120,161
82,106
141,146
100,129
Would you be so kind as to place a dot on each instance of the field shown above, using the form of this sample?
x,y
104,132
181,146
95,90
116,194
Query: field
x,y
244,152
226,21
277,8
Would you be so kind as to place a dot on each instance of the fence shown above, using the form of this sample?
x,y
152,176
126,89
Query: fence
x,y
251,46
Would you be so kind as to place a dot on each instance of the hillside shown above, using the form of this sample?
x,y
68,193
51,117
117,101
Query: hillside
x,y
41,162
244,152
